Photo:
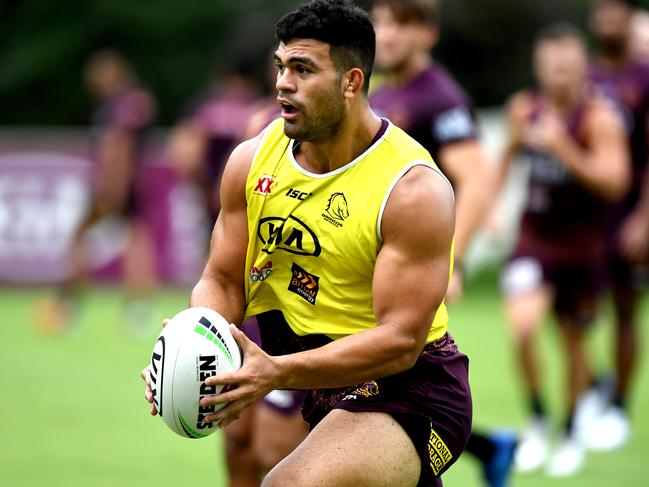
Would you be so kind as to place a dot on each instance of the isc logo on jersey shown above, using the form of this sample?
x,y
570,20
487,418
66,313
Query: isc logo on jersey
x,y
195,344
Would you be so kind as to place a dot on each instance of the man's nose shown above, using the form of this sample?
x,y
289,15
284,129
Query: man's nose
x,y
285,81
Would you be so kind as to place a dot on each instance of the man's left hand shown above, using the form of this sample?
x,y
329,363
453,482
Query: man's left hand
x,y
547,134
257,377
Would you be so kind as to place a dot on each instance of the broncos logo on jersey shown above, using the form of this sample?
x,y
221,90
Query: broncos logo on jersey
x,y
337,206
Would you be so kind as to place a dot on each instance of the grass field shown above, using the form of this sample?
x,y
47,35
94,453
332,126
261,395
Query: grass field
x,y
74,413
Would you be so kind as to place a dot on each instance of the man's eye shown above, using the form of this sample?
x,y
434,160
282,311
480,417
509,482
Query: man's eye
x,y
279,67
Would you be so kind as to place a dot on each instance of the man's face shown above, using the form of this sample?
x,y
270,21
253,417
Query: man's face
x,y
309,90
609,24
104,76
560,65
397,43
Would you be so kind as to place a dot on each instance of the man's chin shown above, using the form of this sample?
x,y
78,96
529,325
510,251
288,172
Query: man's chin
x,y
291,130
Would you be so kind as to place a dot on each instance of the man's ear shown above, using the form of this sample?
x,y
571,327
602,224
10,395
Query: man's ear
x,y
353,82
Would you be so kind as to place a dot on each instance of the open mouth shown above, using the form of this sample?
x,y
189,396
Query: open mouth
x,y
288,109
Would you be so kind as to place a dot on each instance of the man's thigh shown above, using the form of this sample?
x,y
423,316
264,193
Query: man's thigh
x,y
276,434
351,449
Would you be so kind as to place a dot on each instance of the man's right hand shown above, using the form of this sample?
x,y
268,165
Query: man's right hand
x,y
148,394
146,377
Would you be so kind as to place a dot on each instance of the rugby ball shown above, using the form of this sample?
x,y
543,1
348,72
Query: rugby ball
x,y
195,344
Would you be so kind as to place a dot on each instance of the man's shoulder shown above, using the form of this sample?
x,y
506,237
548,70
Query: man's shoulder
x,y
434,88
444,90
404,146
423,197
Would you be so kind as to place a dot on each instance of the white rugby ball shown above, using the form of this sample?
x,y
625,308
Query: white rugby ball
x,y
195,344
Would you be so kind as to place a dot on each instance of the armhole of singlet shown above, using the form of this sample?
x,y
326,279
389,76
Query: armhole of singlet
x,y
397,178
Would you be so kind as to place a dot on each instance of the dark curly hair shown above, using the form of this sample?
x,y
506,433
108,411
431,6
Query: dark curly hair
x,y
345,27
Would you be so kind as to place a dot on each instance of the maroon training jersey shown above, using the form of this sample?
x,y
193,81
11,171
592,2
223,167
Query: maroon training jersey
x,y
431,108
223,118
131,109
561,213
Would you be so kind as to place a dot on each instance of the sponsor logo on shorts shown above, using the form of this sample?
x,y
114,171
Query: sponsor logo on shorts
x,y
337,210
438,452
304,284
261,274
369,389
264,185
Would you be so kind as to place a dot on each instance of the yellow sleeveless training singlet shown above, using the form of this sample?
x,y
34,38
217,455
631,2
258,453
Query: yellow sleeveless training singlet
x,y
314,238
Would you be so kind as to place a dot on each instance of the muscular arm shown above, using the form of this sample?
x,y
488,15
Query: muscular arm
x,y
221,287
409,285
116,165
467,167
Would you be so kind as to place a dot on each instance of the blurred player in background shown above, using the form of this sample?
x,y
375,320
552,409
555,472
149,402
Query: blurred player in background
x,y
265,433
201,143
419,96
124,112
199,148
574,140
627,81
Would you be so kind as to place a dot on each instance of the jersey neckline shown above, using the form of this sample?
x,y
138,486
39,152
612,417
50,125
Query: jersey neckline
x,y
341,169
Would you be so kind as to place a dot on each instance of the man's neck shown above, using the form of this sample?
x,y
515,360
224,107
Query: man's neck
x,y
354,137
405,73
612,61
567,101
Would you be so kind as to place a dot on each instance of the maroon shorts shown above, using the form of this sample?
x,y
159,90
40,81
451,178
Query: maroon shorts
x,y
431,401
286,403
576,283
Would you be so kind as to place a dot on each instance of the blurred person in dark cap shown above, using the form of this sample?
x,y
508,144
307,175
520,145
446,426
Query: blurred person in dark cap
x,y
124,112
626,81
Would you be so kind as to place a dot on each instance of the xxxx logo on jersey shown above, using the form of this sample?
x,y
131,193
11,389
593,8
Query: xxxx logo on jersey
x,y
264,185
304,284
